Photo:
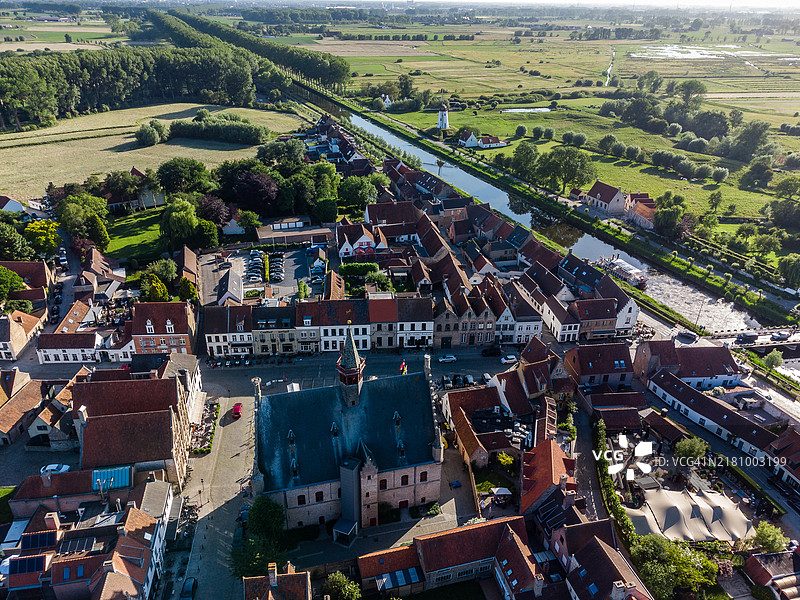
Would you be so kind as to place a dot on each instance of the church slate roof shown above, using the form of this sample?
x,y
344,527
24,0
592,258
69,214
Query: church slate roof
x,y
310,415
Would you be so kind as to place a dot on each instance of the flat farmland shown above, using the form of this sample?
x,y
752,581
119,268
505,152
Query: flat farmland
x,y
39,35
96,144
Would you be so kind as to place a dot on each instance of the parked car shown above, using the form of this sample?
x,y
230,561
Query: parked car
x,y
486,378
243,513
469,380
780,336
447,383
688,336
189,589
238,537
58,299
458,381
54,319
492,351
237,410
447,358
54,468
55,310
746,338
509,359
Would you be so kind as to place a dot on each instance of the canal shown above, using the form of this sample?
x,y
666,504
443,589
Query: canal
x,y
696,305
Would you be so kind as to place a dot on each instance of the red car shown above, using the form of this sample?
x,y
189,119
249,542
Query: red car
x,y
237,410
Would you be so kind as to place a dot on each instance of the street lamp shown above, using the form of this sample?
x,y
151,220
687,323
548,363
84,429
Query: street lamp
x,y
699,311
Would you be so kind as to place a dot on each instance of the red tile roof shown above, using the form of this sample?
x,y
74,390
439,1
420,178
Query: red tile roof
x,y
594,309
474,399
291,586
26,399
543,467
598,359
61,484
467,544
514,392
388,561
124,397
69,341
603,191
127,439
619,418
518,565
158,313
535,351
382,310
34,273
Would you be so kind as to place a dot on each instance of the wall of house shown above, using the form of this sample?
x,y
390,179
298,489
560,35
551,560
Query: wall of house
x,y
152,344
312,510
276,342
711,426
413,334
382,332
465,572
415,491
333,337
64,355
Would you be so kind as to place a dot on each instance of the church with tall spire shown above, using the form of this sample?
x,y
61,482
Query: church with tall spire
x,y
334,453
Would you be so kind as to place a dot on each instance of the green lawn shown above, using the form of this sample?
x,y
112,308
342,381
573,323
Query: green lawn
x,y
486,479
5,511
468,590
135,236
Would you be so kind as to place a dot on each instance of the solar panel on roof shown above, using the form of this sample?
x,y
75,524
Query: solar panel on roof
x,y
77,545
28,564
44,539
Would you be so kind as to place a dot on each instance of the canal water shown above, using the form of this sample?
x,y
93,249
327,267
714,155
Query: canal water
x,y
694,304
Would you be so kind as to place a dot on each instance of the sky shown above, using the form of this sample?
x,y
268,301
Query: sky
x,y
758,5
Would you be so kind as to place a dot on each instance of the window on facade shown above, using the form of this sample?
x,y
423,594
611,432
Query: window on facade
x,y
66,573
170,327
439,327
404,480
401,327
702,421
447,326
162,341
301,499
382,484
443,578
380,326
485,568
465,573
319,496
423,476
149,327
79,571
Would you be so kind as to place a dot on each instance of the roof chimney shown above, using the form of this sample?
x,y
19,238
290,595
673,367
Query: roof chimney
x,y
569,498
108,566
272,569
83,414
290,568
538,584
51,521
563,482
46,481
618,590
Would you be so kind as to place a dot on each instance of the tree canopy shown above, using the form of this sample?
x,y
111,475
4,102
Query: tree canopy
x,y
43,236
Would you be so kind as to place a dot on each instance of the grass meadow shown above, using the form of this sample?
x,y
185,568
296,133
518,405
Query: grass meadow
x,y
135,236
95,144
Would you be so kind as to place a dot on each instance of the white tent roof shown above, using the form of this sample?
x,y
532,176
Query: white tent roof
x,y
687,516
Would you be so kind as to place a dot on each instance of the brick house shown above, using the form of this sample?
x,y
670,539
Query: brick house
x,y
600,364
17,330
159,327
702,367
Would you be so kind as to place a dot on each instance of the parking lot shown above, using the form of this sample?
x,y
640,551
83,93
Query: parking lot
x,y
295,264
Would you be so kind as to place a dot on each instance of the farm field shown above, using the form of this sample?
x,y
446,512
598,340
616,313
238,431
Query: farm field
x,y
86,34
95,144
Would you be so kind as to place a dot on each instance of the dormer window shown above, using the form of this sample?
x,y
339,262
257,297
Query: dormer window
x,y
306,321
149,326
170,327
240,326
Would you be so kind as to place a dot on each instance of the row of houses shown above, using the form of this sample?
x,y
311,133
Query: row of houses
x,y
94,533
